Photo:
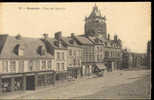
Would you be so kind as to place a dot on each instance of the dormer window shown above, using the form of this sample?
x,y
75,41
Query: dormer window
x,y
97,40
71,41
18,37
42,50
19,50
59,44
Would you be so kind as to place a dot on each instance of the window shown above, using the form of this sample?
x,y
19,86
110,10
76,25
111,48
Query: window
x,y
62,67
37,65
5,66
49,64
97,57
74,53
58,55
21,66
21,52
97,48
43,64
13,66
58,67
30,65
43,50
106,53
60,44
79,61
101,49
101,56
74,62
70,52
63,56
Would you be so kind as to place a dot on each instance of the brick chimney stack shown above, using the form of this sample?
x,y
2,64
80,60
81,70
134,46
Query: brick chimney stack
x,y
115,37
72,35
58,35
108,36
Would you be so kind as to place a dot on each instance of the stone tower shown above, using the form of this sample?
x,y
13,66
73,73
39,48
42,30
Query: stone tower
x,y
95,24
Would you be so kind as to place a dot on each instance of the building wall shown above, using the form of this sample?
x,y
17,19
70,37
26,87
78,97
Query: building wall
x,y
99,53
131,60
74,56
60,60
1,70
112,58
26,67
88,54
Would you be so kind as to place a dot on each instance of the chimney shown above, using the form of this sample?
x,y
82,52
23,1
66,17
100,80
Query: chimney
x,y
45,36
108,36
72,35
18,37
115,37
58,35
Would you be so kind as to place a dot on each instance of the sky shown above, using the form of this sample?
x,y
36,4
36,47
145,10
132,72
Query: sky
x,y
131,21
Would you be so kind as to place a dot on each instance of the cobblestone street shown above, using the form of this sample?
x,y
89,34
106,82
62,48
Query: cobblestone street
x,y
118,84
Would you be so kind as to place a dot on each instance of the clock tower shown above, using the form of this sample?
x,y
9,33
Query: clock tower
x,y
95,23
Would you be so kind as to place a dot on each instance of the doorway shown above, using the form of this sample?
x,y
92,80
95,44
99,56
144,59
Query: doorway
x,y
30,83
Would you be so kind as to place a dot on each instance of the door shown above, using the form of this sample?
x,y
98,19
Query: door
x,y
30,83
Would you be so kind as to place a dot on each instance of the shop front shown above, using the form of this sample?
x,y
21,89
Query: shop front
x,y
87,70
25,81
99,69
74,72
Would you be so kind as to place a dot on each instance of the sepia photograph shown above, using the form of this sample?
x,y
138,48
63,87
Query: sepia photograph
x,y
75,50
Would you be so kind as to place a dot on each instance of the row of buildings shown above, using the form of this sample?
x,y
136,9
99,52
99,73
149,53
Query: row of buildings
x,y
137,60
27,63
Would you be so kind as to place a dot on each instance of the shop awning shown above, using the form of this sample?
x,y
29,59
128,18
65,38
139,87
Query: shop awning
x,y
101,66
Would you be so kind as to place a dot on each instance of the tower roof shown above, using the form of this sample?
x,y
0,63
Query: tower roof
x,y
95,12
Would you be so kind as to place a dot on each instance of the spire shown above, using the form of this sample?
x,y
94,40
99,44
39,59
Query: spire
x,y
95,12
95,5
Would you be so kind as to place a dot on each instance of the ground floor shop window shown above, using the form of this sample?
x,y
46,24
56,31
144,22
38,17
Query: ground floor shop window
x,y
49,78
41,80
6,85
18,84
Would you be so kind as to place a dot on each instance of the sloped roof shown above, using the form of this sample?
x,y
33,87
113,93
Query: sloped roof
x,y
83,40
95,12
97,40
53,41
70,41
31,46
2,41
